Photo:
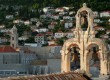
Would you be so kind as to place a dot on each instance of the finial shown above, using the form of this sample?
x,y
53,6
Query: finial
x,y
84,5
14,27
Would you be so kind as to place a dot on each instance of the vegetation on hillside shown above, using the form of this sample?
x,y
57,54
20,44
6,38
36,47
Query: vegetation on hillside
x,y
94,4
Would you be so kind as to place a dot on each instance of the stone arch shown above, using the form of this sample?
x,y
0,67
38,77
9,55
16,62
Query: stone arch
x,y
103,60
73,45
84,39
93,59
90,17
65,66
74,52
91,46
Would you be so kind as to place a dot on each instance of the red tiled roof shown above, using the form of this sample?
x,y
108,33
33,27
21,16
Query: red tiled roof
x,y
40,35
49,32
59,76
108,30
7,49
98,27
53,45
105,11
60,8
54,23
59,31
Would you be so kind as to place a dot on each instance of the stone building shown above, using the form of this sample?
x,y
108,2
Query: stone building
x,y
14,37
40,39
85,51
10,62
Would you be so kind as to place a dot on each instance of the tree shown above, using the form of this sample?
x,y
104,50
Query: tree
x,y
60,41
30,40
100,33
1,34
21,28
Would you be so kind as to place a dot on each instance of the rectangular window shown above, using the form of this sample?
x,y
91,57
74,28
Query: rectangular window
x,y
12,45
12,38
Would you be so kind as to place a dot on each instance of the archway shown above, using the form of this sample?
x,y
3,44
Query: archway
x,y
93,57
92,51
84,20
74,57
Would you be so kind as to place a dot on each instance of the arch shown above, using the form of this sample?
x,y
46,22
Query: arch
x,y
93,59
101,56
89,17
73,45
65,67
92,46
84,40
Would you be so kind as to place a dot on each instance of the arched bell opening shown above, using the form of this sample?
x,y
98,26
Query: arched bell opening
x,y
84,21
74,58
94,60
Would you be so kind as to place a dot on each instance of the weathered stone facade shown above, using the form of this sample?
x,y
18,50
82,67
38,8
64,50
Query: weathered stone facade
x,y
14,37
85,40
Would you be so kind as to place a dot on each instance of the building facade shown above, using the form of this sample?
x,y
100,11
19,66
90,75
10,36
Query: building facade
x,y
84,48
14,37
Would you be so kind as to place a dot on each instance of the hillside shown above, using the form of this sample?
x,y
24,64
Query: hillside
x,y
99,5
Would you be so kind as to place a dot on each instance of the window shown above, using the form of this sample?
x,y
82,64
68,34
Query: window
x,y
1,72
12,38
12,45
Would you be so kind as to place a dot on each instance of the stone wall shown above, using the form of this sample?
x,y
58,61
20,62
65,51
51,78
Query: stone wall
x,y
9,58
54,65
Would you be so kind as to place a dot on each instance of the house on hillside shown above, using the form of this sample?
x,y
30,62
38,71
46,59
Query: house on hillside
x,y
27,22
42,30
97,20
2,26
108,32
51,42
18,21
9,17
51,26
104,36
40,39
68,24
69,34
105,14
60,9
99,28
96,14
59,34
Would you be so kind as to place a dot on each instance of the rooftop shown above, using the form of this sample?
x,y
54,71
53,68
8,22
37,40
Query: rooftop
x,y
6,49
60,76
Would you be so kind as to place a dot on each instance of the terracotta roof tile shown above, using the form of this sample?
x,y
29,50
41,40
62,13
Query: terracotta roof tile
x,y
60,76
40,35
53,45
7,49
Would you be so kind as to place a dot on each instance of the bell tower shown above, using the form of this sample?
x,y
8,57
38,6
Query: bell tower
x,y
14,37
86,44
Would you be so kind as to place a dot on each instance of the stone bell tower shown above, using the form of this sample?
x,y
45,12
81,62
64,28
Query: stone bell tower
x,y
85,41
14,37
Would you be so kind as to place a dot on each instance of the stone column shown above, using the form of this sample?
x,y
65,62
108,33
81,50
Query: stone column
x,y
67,62
86,63
81,60
62,60
103,63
